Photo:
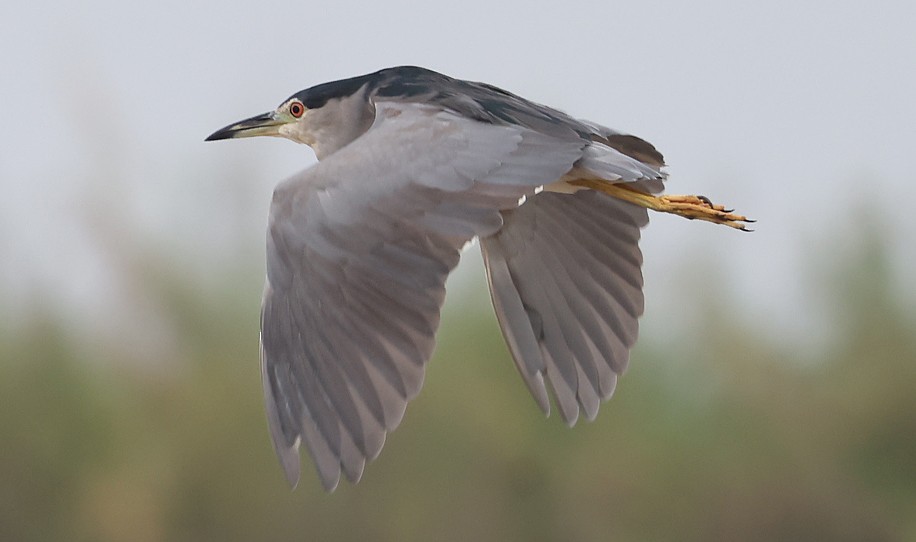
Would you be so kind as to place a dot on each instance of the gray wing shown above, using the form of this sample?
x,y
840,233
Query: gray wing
x,y
566,281
359,248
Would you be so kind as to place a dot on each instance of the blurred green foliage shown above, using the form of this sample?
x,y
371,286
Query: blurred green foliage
x,y
729,437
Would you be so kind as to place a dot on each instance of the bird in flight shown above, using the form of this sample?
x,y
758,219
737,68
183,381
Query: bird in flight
x,y
412,166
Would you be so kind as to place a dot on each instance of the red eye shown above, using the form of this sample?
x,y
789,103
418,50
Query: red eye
x,y
296,109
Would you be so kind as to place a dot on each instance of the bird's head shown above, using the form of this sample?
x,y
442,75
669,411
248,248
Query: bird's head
x,y
325,117
289,120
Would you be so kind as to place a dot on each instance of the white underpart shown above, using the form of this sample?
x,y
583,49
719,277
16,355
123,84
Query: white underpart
x,y
562,187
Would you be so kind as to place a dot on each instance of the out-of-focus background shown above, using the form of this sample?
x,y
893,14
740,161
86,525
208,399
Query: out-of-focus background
x,y
772,395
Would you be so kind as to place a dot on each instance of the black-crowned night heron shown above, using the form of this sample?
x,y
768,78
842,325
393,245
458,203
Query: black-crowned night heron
x,y
412,166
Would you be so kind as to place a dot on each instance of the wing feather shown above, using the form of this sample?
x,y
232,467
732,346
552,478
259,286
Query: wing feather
x,y
565,273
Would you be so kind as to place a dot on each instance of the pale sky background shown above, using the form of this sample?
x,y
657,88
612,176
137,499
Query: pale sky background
x,y
792,112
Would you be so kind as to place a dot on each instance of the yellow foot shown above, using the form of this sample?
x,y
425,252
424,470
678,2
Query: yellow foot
x,y
700,208
692,207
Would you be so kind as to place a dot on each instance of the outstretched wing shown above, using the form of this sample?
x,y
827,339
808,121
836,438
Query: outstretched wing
x,y
566,281
359,248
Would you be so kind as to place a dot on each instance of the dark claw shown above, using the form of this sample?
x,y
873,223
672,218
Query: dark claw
x,y
706,200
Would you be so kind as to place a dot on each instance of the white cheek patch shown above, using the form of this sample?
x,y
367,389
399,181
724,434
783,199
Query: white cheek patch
x,y
298,131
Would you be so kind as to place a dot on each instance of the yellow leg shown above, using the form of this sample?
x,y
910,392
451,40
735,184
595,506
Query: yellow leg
x,y
692,207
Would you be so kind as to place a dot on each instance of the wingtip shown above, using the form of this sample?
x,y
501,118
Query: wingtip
x,y
330,483
289,460
539,392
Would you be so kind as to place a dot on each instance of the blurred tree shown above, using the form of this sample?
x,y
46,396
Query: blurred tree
x,y
731,438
